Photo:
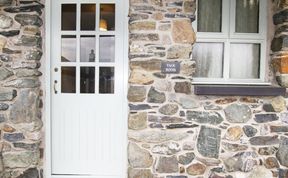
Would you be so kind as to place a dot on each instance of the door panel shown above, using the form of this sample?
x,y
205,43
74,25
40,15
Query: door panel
x,y
88,125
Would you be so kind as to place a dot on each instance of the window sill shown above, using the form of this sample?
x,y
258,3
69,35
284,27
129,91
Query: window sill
x,y
238,90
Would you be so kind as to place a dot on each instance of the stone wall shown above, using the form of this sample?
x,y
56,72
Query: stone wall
x,y
176,134
21,28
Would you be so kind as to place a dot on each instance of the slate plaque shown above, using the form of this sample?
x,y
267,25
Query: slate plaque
x,y
170,67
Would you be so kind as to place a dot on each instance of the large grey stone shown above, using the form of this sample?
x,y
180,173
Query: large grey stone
x,y
155,97
140,173
30,41
30,173
10,33
208,143
5,21
139,107
183,87
5,73
138,157
28,19
27,146
144,37
3,106
23,83
27,73
274,128
166,148
157,136
186,158
243,161
260,172
263,118
282,153
203,117
20,159
13,137
5,2
27,8
167,165
137,121
179,52
188,103
238,113
2,118
136,94
233,147
249,131
33,54
165,119
264,140
25,109
169,109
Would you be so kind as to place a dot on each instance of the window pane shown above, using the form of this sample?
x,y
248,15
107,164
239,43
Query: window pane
x,y
88,16
68,79
209,59
247,16
68,18
209,15
68,48
107,48
87,82
107,17
87,48
106,80
245,61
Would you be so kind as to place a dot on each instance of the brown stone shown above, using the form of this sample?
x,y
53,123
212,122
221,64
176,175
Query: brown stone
x,y
140,77
234,133
271,163
225,100
158,16
182,32
189,6
179,52
138,121
278,104
282,3
196,169
183,87
148,65
139,173
138,157
167,165
133,2
249,100
142,26
8,128
3,42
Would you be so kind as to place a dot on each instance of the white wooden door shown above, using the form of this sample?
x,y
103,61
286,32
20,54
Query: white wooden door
x,y
88,122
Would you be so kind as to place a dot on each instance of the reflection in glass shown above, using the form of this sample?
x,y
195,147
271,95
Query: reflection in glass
x,y
244,61
68,79
107,17
106,80
88,16
107,48
247,16
68,48
68,17
87,48
209,59
87,82
209,16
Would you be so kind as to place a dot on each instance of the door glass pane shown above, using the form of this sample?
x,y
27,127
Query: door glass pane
x,y
247,16
88,16
209,59
87,81
245,61
68,79
209,17
68,18
107,48
106,80
107,17
87,48
68,48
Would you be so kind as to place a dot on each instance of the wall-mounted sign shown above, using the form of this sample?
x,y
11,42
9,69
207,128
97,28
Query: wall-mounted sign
x,y
170,67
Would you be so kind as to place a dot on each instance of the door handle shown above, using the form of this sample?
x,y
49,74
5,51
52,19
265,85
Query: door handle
x,y
54,86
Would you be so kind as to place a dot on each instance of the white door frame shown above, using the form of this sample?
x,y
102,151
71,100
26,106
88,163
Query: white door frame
x,y
46,83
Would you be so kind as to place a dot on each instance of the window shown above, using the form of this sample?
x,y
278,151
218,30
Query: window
x,y
231,41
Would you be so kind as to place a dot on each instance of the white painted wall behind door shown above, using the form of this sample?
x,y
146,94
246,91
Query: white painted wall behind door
x,y
88,125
